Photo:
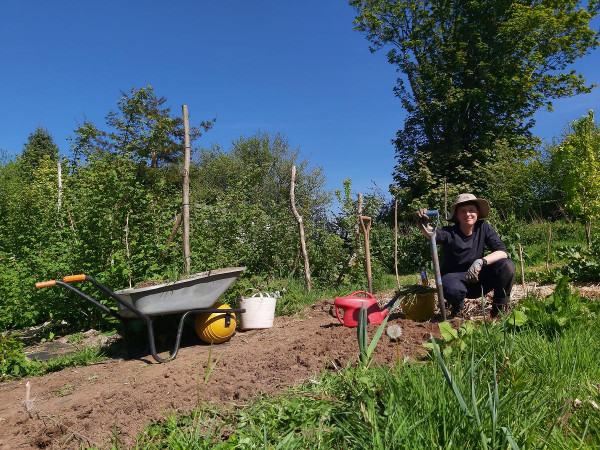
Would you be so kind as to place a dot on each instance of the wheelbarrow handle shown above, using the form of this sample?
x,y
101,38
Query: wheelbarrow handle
x,y
44,284
74,278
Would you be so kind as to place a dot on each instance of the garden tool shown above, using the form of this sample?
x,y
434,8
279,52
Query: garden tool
x,y
365,223
430,230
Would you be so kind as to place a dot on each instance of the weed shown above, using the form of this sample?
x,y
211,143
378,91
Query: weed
x,y
75,338
65,390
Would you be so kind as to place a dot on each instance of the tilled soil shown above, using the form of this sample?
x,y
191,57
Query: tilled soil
x,y
83,406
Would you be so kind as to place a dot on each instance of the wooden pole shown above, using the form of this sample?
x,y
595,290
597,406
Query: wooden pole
x,y
396,242
522,268
445,201
60,187
185,202
357,227
300,229
366,229
128,253
548,249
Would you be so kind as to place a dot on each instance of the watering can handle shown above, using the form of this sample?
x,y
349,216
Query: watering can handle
x,y
337,313
361,292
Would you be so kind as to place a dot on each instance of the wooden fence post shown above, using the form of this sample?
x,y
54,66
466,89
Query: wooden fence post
x,y
522,268
396,243
300,229
60,186
548,249
185,202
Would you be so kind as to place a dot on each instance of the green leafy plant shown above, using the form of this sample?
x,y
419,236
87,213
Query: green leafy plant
x,y
451,337
559,310
583,264
12,359
365,348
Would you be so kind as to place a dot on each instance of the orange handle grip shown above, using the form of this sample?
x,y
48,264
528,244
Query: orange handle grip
x,y
43,284
74,278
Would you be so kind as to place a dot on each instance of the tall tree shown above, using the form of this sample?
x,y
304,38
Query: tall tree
x,y
575,163
142,127
475,72
39,144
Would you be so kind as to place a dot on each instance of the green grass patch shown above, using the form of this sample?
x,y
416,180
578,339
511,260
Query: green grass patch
x,y
14,365
510,386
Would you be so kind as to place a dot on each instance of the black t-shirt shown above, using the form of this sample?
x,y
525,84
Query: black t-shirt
x,y
460,251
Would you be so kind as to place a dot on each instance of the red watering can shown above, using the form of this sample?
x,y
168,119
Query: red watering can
x,y
351,306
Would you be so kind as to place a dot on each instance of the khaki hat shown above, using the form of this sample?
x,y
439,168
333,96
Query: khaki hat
x,y
482,204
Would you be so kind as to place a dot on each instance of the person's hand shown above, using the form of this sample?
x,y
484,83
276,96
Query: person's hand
x,y
421,216
473,272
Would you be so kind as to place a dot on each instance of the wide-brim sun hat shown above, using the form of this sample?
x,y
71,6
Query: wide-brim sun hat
x,y
482,205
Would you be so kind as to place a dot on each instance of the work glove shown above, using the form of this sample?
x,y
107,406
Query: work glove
x,y
473,272
420,215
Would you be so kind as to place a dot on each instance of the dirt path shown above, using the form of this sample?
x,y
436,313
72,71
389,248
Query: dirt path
x,y
81,406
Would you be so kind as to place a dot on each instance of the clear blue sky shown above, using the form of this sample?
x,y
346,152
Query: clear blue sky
x,y
273,65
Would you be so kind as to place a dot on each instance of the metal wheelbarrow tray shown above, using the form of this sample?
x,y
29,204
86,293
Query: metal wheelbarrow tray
x,y
192,295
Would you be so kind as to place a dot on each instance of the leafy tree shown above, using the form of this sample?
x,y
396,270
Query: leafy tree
x,y
141,127
39,144
242,213
474,72
576,168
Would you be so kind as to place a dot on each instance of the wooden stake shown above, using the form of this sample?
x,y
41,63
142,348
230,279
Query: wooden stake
x,y
357,227
366,229
396,242
522,268
59,169
300,229
185,202
127,249
445,201
174,230
548,249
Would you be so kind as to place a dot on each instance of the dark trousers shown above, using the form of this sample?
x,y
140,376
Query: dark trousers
x,y
498,277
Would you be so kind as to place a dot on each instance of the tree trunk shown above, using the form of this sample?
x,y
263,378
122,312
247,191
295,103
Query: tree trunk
x,y
185,203
300,229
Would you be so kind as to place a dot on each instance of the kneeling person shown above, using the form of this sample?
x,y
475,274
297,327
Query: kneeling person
x,y
466,268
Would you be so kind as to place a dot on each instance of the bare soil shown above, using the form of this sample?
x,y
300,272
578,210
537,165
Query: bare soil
x,y
83,406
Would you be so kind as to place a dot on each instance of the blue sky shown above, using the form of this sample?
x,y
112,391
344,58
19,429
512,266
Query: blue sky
x,y
292,67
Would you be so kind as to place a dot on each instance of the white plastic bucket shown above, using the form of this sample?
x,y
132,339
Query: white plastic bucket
x,y
260,311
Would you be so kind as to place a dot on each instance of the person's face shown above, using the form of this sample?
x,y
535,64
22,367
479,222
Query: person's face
x,y
467,215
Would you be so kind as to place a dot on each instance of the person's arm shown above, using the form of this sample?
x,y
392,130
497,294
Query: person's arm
x,y
495,245
495,256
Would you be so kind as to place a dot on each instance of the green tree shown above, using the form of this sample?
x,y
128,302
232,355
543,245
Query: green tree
x,y
475,72
39,144
242,211
141,127
576,167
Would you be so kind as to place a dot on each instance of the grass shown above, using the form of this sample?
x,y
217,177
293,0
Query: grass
x,y
83,357
518,387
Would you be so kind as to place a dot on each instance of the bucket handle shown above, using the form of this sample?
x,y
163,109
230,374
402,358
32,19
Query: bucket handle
x,y
258,292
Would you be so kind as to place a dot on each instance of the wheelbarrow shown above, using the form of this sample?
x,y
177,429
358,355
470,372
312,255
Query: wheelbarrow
x,y
194,295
